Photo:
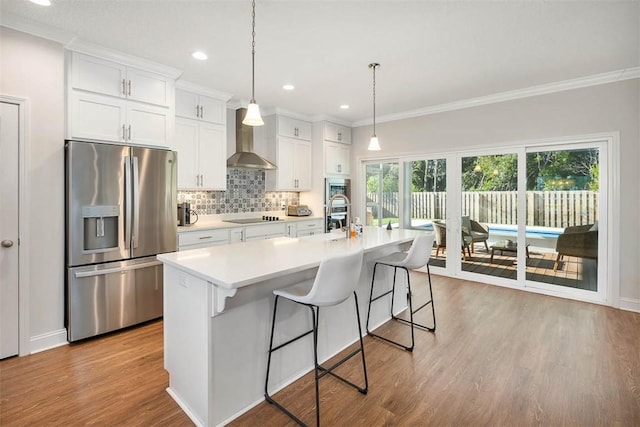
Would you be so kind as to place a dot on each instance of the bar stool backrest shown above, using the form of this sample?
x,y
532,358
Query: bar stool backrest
x,y
419,253
336,279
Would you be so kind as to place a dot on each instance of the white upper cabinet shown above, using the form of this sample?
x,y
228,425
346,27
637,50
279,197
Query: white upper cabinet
x,y
200,107
294,128
202,155
337,133
289,147
115,102
336,158
105,77
336,142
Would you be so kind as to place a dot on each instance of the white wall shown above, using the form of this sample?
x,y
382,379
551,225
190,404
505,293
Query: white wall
x,y
605,108
33,68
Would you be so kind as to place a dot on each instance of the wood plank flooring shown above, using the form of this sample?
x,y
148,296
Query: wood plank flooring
x,y
499,357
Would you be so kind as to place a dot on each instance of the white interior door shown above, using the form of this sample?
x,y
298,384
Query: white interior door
x,y
9,138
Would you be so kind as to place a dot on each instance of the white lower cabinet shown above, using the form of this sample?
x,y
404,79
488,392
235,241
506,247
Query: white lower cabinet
x,y
202,238
304,228
256,232
264,231
202,155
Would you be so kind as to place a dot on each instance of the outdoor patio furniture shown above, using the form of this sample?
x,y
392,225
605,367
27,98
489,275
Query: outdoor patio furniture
x,y
507,246
476,231
577,241
440,229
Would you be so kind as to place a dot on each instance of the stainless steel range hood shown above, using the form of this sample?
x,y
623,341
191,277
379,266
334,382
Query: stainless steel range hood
x,y
244,157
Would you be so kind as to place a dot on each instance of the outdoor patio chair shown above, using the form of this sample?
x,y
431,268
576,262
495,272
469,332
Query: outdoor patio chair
x,y
440,230
577,241
477,232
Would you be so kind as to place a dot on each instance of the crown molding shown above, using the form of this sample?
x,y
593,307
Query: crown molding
x,y
581,82
19,23
123,58
202,90
327,118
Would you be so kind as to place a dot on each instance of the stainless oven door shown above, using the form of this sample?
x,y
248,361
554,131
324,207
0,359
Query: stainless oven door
x,y
110,296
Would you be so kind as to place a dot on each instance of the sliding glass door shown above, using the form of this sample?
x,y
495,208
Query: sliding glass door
x,y
524,217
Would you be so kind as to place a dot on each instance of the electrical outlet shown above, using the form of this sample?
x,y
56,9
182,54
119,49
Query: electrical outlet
x,y
283,206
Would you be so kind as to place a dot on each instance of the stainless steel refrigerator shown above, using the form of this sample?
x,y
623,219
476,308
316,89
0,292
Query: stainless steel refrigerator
x,y
120,212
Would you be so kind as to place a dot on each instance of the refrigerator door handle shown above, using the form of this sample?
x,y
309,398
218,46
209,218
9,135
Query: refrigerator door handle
x,y
80,274
127,202
136,204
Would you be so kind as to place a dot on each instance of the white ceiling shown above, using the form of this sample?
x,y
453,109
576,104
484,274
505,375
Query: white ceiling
x,y
431,52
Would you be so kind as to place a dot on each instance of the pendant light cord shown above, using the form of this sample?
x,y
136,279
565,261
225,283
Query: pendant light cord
x,y
253,52
374,100
373,66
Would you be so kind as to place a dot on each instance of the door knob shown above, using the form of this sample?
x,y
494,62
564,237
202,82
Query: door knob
x,y
7,243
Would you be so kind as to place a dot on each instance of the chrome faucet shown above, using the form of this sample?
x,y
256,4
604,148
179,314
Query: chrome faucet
x,y
347,204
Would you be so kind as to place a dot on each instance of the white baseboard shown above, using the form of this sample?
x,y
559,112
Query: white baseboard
x,y
184,407
48,341
630,304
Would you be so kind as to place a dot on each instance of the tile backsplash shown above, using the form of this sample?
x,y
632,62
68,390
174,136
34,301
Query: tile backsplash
x,y
245,193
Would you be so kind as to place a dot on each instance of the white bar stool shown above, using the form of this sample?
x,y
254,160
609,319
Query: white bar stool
x,y
417,257
335,281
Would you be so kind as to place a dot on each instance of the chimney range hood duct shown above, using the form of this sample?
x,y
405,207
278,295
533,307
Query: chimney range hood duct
x,y
244,157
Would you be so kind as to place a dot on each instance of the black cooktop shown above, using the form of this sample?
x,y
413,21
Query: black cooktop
x,y
252,220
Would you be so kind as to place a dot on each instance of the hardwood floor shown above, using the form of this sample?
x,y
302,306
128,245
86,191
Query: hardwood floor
x,y
499,357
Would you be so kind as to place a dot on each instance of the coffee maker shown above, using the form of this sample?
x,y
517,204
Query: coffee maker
x,y
184,213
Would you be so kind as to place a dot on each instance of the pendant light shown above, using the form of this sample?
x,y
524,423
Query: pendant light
x,y
253,118
374,144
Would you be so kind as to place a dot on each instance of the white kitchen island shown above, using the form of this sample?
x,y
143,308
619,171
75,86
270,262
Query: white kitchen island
x,y
218,304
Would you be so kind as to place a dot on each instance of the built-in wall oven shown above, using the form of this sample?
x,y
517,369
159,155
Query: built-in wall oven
x,y
338,216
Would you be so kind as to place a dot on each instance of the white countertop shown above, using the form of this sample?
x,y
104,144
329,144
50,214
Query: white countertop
x,y
205,223
241,264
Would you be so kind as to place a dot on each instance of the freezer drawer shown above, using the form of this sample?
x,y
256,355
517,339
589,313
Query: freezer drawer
x,y
105,297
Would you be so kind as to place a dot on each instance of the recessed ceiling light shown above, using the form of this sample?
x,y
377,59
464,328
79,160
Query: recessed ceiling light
x,y
288,87
344,107
41,2
199,55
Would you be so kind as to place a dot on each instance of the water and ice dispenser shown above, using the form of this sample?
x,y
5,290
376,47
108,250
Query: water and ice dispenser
x,y
100,228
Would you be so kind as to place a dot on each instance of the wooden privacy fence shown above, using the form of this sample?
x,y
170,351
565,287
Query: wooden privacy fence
x,y
544,208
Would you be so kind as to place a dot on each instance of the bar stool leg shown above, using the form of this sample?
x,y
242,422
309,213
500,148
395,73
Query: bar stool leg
x,y
410,322
319,370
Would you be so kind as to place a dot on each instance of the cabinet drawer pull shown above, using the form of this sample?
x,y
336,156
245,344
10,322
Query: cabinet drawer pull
x,y
201,112
129,133
206,237
124,89
124,132
129,89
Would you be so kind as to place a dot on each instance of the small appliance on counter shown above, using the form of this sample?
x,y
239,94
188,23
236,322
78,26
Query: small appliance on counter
x,y
184,214
298,210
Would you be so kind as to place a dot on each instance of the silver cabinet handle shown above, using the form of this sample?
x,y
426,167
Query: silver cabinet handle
x,y
129,133
198,111
201,112
129,88
206,237
7,243
339,136
339,168
124,133
124,89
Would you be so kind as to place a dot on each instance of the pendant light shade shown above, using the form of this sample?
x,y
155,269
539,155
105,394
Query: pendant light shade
x,y
374,144
253,118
